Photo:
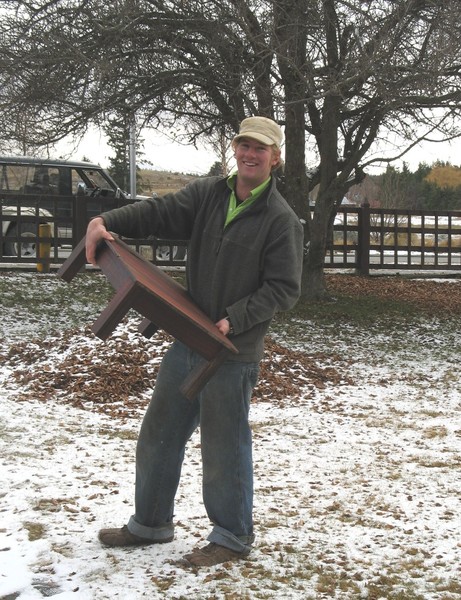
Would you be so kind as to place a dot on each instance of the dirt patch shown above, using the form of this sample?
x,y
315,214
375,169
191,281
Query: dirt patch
x,y
429,295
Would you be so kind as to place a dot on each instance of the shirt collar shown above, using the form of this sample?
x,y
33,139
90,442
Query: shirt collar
x,y
257,191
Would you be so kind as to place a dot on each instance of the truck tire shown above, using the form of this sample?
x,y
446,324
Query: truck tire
x,y
179,252
24,248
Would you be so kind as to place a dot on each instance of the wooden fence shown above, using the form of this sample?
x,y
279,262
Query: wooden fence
x,y
364,239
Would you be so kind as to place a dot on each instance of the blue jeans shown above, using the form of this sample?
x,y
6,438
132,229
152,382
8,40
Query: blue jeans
x,y
221,409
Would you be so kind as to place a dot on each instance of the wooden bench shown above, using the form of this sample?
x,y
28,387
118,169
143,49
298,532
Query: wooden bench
x,y
163,303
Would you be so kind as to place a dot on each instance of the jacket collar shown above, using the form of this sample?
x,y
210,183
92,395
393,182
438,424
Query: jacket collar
x,y
223,189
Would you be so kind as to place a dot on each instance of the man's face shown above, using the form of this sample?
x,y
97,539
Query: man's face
x,y
254,161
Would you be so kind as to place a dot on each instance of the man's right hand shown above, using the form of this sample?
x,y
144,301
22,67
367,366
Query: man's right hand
x,y
96,231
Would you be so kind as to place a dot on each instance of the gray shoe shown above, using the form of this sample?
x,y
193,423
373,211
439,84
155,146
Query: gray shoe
x,y
213,554
122,537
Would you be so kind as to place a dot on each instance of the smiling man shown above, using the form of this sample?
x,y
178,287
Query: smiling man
x,y
244,264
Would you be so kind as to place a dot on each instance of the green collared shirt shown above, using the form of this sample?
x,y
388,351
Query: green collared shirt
x,y
234,208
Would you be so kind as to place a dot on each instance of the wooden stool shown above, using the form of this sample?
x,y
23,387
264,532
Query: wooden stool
x,y
162,302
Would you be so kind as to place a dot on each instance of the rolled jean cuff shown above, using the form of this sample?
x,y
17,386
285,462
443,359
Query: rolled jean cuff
x,y
225,538
163,532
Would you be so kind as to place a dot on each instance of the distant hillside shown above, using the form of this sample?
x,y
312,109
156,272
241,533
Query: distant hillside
x,y
162,182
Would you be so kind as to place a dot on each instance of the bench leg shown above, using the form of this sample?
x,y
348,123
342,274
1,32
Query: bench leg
x,y
114,311
69,269
147,328
197,378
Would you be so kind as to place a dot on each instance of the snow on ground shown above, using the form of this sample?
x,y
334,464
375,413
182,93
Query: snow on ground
x,y
357,487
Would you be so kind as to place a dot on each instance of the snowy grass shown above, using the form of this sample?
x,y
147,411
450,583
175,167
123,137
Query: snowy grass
x,y
357,487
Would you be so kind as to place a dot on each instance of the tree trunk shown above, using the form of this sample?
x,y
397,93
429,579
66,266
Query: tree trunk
x,y
290,34
327,196
313,281
296,181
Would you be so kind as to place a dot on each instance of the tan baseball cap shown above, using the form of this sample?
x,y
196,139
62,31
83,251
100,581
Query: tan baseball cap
x,y
262,129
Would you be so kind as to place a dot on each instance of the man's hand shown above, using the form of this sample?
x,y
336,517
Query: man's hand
x,y
96,231
224,326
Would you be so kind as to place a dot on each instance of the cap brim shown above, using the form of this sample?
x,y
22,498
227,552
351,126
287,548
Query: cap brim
x,y
256,136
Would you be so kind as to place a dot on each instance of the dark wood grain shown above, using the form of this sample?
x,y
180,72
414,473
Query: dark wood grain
x,y
163,303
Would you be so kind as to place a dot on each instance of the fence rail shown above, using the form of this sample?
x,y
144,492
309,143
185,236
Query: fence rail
x,y
364,238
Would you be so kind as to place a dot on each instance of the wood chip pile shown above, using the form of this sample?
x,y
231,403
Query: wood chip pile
x,y
116,377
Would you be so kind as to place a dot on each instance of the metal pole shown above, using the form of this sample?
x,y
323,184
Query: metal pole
x,y
133,158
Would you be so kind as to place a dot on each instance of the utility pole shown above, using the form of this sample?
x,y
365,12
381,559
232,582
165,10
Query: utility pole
x,y
133,157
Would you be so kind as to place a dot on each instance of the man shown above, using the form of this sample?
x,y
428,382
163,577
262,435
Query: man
x,y
244,263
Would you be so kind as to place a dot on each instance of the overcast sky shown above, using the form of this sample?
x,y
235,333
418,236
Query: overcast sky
x,y
165,155
158,150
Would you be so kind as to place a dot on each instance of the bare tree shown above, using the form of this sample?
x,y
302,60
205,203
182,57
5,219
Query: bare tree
x,y
342,76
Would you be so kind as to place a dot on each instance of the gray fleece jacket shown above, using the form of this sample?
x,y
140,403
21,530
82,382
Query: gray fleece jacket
x,y
247,271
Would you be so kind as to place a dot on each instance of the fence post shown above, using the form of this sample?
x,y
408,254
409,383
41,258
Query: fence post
x,y
363,251
44,248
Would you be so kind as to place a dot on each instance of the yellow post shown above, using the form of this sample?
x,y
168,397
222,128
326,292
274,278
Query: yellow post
x,y
44,248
